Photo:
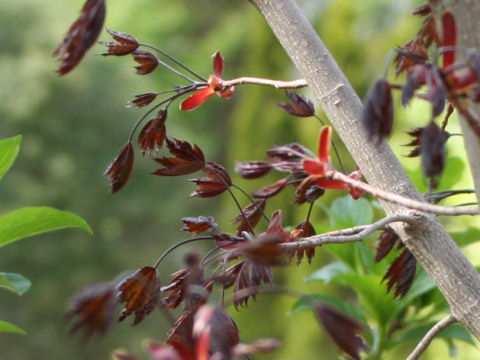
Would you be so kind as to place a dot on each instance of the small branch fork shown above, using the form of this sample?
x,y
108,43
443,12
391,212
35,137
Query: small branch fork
x,y
430,335
402,200
355,234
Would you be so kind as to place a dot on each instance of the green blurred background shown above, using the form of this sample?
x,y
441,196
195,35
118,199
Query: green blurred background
x,y
74,126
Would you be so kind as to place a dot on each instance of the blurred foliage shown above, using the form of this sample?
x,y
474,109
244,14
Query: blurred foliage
x,y
74,126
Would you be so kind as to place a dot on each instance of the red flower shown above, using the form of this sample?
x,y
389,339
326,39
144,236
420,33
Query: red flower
x,y
214,87
320,167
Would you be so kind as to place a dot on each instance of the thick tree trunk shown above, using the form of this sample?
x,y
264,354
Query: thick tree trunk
x,y
467,15
429,242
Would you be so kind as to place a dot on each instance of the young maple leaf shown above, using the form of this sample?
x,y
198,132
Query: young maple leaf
x,y
253,214
401,273
213,87
140,293
81,35
303,230
377,114
386,242
246,277
200,224
121,168
147,61
154,133
124,44
215,183
94,309
186,160
300,106
342,329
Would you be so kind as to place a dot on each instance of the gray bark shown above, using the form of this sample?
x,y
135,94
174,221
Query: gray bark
x,y
429,242
467,15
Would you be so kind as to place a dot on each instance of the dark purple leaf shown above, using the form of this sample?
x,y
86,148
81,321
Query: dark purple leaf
x,y
386,242
147,61
401,273
93,309
253,214
81,35
343,330
140,293
299,106
120,168
432,149
252,169
199,224
377,114
154,133
271,190
124,44
142,100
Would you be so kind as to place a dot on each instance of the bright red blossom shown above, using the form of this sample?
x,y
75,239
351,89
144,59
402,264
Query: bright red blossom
x,y
214,86
320,167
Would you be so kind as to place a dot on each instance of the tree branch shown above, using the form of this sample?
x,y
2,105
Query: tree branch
x,y
294,84
456,278
402,200
355,234
430,335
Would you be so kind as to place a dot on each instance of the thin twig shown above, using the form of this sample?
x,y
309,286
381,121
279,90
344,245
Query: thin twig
x,y
402,200
253,201
328,238
430,335
278,84
178,62
177,245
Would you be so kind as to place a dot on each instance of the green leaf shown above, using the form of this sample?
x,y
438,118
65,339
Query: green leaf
x,y
30,221
422,284
453,172
416,333
7,327
8,152
343,306
372,295
329,272
347,212
468,237
14,282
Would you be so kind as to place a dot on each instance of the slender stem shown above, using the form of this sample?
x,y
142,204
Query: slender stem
x,y
178,62
177,245
402,200
278,84
328,238
440,195
430,335
310,208
450,109
175,71
253,201
227,186
184,90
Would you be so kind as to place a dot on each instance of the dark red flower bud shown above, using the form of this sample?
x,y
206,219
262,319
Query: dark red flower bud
x,y
148,61
377,114
124,44
432,149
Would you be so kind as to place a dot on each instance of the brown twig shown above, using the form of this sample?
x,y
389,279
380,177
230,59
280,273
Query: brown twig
x,y
430,335
294,84
402,200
